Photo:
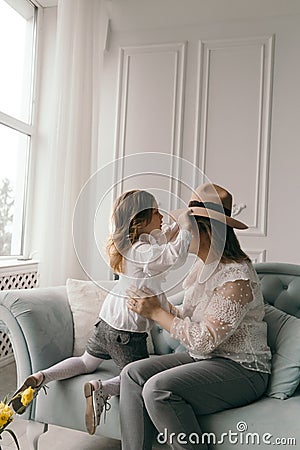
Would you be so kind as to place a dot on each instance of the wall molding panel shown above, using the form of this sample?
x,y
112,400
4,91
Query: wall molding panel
x,y
257,256
199,89
234,95
151,122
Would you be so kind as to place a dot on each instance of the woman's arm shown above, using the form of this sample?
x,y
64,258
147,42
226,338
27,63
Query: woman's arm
x,y
174,310
227,307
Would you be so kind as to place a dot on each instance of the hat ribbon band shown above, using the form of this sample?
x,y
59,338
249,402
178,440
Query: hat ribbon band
x,y
212,206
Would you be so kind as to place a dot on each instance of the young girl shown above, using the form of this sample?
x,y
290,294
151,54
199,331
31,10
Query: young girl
x,y
120,334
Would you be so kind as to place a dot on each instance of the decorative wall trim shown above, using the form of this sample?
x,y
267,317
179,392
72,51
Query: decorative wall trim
x,y
125,54
257,256
266,47
237,209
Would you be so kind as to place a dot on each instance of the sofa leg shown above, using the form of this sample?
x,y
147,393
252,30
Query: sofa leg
x,y
34,431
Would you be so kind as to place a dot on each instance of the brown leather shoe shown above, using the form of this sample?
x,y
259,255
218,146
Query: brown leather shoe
x,y
16,403
96,402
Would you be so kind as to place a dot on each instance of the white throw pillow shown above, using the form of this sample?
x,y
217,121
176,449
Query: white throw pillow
x,y
86,299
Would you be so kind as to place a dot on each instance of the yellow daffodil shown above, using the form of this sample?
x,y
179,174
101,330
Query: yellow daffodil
x,y
6,417
6,414
27,396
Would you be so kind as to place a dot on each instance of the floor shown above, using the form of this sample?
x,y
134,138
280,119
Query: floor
x,y
56,438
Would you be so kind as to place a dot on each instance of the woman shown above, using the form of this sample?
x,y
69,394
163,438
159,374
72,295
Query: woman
x,y
227,362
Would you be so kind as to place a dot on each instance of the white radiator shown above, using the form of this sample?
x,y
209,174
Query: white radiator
x,y
17,276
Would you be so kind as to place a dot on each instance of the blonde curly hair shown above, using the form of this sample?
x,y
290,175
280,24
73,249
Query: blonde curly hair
x,y
131,211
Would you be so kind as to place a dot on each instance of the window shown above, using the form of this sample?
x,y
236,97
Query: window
x,y
17,53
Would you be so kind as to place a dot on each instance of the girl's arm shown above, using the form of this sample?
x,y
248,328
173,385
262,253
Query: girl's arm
x,y
156,258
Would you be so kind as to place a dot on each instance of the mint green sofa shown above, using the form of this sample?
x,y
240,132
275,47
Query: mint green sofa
x,y
40,327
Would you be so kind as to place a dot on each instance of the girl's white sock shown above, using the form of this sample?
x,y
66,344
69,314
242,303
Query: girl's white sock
x,y
70,367
110,387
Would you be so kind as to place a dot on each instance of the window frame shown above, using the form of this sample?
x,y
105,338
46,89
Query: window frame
x,y
28,129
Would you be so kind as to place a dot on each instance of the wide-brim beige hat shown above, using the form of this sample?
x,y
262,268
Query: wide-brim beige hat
x,y
212,201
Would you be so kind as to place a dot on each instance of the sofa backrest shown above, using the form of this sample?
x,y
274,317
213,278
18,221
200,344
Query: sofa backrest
x,y
280,283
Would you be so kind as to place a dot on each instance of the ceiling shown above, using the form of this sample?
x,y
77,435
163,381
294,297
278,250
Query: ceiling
x,y
184,11
46,3
164,13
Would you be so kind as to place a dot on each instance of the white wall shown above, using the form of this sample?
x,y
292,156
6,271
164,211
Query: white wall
x,y
217,84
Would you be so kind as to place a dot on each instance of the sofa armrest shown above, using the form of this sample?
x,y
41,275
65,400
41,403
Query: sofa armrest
x,y
40,327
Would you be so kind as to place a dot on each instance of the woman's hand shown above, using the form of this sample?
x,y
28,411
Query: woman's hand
x,y
143,302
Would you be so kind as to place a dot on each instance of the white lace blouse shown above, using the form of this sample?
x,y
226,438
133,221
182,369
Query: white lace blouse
x,y
223,316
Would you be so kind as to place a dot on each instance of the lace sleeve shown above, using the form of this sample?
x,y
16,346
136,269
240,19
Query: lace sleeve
x,y
226,308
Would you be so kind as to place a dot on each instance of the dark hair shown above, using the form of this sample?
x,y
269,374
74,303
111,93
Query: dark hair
x,y
131,211
231,249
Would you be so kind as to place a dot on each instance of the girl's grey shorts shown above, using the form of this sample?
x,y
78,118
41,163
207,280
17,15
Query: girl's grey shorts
x,y
122,346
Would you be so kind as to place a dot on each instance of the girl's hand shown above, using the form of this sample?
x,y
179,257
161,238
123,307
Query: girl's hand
x,y
171,232
143,302
185,220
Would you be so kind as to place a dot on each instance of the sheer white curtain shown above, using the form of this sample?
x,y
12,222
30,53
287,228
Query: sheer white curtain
x,y
74,148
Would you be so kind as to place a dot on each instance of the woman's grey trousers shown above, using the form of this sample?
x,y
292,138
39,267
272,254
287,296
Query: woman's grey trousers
x,y
161,398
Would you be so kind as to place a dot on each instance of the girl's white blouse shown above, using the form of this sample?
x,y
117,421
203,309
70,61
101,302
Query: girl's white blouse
x,y
145,265
223,316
